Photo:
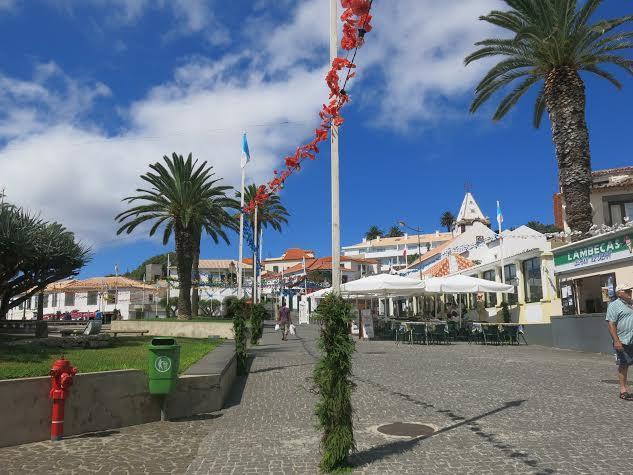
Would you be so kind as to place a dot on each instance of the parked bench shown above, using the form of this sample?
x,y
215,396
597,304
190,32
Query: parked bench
x,y
39,328
133,332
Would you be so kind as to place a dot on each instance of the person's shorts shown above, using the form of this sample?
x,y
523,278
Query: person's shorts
x,y
624,357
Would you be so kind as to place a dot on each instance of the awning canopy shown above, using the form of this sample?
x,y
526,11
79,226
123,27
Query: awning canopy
x,y
456,284
379,285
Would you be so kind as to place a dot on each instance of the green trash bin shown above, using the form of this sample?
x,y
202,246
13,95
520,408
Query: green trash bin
x,y
164,360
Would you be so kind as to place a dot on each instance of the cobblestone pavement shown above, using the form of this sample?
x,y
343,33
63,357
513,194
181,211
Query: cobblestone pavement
x,y
496,410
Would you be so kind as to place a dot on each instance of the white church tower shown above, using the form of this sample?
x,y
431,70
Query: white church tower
x,y
469,213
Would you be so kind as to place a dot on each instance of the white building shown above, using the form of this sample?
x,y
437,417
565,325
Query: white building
x,y
218,279
611,198
469,214
389,252
131,298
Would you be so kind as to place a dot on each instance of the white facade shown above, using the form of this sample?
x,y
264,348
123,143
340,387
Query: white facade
x,y
390,252
130,302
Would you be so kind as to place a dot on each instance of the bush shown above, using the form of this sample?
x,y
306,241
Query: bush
x,y
238,311
333,383
505,313
258,315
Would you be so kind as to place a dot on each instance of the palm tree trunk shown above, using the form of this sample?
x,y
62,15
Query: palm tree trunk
x,y
565,100
195,272
184,259
40,306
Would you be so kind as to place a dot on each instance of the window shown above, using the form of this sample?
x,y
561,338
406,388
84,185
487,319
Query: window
x,y
532,277
53,300
276,269
28,303
45,297
111,298
21,306
620,210
150,298
490,298
92,298
479,240
510,272
69,299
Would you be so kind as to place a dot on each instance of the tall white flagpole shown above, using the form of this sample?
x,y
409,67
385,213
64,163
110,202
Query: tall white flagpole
x,y
244,160
305,279
336,231
239,262
255,243
259,277
499,221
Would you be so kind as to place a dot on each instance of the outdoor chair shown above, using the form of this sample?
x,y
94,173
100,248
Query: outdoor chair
x,y
453,331
439,334
492,335
510,335
418,335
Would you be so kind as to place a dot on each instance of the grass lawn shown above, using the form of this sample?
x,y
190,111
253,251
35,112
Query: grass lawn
x,y
126,353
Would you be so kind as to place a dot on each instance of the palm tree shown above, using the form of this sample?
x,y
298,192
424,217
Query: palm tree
x,y
373,233
215,221
551,42
183,198
271,213
447,220
395,231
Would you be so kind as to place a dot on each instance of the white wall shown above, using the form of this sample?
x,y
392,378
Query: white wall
x,y
80,304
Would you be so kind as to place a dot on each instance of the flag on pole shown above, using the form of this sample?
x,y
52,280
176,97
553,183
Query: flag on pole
x,y
405,256
499,215
246,156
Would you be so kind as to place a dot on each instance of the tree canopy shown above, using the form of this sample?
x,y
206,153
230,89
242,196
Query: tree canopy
x,y
374,232
395,231
33,254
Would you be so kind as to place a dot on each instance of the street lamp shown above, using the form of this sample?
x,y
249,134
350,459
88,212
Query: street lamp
x,y
418,230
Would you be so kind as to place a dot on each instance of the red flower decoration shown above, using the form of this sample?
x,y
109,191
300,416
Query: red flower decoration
x,y
356,22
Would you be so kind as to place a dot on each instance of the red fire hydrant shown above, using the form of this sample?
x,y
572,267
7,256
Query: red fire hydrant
x,y
62,374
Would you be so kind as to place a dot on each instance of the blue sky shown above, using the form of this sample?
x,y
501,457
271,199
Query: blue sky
x,y
93,91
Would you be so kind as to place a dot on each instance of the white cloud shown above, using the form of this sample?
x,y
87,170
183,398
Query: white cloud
x,y
413,56
7,4
78,175
57,161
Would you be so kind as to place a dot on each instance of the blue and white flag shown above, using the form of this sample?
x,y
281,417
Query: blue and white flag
x,y
499,215
246,156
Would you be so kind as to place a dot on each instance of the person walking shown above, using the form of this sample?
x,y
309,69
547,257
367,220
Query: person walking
x,y
620,321
284,320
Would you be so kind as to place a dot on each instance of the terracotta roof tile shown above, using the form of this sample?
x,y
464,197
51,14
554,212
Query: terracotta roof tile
x,y
443,267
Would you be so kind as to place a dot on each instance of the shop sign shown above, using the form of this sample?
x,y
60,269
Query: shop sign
x,y
601,252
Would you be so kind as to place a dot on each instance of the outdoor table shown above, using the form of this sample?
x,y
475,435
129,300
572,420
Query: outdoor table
x,y
478,326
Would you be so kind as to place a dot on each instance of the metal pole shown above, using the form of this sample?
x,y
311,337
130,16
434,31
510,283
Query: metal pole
x,y
336,232
143,299
239,262
259,277
168,288
255,244
419,252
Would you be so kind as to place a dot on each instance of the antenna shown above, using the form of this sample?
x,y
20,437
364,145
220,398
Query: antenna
x,y
468,187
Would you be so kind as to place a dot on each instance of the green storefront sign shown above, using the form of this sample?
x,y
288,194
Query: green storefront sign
x,y
599,252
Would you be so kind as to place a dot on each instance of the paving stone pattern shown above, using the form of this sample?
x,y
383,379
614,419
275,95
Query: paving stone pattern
x,y
496,410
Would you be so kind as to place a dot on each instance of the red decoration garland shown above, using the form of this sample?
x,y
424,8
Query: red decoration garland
x,y
356,22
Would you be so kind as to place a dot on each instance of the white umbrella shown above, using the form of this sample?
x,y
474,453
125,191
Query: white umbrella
x,y
384,285
378,285
456,284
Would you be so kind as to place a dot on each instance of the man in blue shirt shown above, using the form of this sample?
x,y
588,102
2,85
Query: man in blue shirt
x,y
620,322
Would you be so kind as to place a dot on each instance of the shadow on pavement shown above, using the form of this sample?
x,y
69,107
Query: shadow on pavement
x,y
197,417
279,368
90,435
401,446
237,391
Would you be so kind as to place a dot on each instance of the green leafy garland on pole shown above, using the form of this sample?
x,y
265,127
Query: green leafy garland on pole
x,y
238,310
333,382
